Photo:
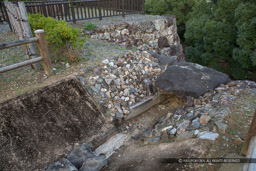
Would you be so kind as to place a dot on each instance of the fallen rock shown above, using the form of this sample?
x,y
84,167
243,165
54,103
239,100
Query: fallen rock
x,y
94,164
63,164
190,79
80,154
204,119
221,126
208,136
185,135
183,126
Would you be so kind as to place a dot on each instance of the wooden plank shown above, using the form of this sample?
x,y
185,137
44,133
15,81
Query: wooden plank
x,y
73,11
18,43
21,64
250,134
42,44
81,10
27,33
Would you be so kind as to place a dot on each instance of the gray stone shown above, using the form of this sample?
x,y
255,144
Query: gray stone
x,y
119,115
155,139
147,26
63,164
159,24
183,126
173,131
190,79
163,59
99,80
80,154
94,164
98,86
221,126
108,80
208,135
185,135
163,42
195,124
95,89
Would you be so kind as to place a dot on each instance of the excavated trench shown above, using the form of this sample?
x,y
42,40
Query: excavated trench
x,y
42,126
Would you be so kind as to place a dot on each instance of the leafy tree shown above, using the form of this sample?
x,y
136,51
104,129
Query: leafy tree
x,y
221,34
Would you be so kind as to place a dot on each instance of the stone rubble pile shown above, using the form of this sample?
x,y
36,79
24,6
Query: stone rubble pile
x,y
203,117
158,35
81,158
125,81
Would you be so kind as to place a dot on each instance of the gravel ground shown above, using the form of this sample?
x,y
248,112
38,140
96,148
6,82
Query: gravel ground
x,y
119,19
25,79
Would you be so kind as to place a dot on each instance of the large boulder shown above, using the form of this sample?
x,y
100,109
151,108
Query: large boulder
x,y
190,79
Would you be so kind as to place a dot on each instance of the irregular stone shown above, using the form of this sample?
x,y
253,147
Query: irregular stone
x,y
80,154
94,164
195,124
108,80
208,135
204,119
155,139
221,126
238,141
125,31
106,36
183,126
105,61
63,164
112,144
163,42
185,135
190,79
196,132
119,115
98,86
159,24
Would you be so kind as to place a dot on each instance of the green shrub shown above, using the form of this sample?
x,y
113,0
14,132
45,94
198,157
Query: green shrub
x,y
221,34
62,38
89,26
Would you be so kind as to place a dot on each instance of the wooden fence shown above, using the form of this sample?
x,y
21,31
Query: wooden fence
x,y
40,39
83,9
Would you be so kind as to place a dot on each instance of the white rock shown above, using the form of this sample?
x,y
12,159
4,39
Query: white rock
x,y
196,132
127,99
105,61
208,136
67,65
173,131
166,128
111,64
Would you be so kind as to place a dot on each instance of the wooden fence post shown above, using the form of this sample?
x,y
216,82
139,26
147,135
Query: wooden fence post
x,y
73,11
27,33
143,7
123,15
99,8
44,9
44,51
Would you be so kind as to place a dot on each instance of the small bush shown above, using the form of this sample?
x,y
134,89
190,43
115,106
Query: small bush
x,y
62,38
89,26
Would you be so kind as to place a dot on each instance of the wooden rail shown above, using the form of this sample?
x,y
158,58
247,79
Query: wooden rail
x,y
40,39
18,43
